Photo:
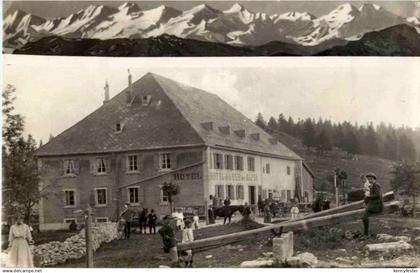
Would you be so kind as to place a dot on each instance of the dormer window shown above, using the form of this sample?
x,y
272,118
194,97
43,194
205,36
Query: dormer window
x,y
145,100
118,128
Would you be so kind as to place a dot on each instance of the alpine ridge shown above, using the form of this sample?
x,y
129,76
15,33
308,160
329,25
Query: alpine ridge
x,y
235,26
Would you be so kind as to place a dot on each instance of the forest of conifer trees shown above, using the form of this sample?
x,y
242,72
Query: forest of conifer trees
x,y
382,140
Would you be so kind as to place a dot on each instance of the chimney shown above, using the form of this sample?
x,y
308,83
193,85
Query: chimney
x,y
106,94
130,88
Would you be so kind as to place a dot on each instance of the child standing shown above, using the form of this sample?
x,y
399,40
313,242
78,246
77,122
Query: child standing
x,y
151,219
294,211
196,220
187,236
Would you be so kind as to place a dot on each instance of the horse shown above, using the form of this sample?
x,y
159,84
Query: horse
x,y
227,211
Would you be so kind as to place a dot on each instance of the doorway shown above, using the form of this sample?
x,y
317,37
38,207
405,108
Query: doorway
x,y
251,191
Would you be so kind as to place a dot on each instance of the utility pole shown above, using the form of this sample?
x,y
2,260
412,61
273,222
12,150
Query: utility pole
x,y
336,189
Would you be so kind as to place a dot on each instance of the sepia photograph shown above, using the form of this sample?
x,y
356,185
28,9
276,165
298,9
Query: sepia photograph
x,y
132,139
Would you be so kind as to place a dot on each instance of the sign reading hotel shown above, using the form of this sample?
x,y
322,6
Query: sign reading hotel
x,y
187,176
233,176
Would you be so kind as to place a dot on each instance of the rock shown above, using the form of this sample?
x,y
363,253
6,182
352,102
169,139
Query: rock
x,y
342,250
343,260
390,238
417,240
209,256
267,254
241,249
261,263
354,258
385,248
305,259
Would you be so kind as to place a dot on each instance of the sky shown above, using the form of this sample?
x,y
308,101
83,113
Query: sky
x,y
54,93
51,9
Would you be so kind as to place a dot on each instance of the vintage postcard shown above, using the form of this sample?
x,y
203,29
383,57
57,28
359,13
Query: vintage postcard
x,y
278,158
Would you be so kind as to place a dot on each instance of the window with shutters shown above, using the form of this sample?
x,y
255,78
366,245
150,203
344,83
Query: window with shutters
x,y
101,197
239,163
288,170
133,195
218,161
220,193
164,198
230,192
240,192
267,168
70,198
228,162
289,195
101,167
69,167
251,164
283,195
165,161
132,163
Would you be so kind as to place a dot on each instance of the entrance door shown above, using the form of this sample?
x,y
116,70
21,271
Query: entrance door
x,y
251,191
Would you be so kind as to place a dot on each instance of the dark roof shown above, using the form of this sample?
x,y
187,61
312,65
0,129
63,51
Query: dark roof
x,y
174,117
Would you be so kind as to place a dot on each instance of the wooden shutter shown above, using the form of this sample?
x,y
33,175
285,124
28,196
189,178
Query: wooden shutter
x,y
76,164
92,165
173,160
62,165
156,161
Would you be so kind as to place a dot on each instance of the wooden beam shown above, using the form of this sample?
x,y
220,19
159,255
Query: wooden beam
x,y
301,224
387,197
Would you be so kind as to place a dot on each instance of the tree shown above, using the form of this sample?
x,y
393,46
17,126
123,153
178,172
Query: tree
x,y
21,179
20,172
407,148
370,141
13,124
170,189
261,122
323,142
407,179
272,126
308,137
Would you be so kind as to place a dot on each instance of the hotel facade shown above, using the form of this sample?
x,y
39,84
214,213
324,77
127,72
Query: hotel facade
x,y
156,131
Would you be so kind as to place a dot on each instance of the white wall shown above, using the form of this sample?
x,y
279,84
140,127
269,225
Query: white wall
x,y
275,181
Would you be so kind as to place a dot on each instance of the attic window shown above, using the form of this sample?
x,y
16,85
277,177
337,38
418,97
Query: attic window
x,y
118,128
145,100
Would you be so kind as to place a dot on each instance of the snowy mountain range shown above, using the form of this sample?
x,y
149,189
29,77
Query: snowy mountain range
x,y
235,26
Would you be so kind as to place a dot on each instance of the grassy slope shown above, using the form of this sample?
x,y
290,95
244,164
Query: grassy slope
x,y
324,164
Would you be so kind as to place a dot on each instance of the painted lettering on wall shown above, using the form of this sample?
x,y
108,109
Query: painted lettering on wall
x,y
187,176
251,177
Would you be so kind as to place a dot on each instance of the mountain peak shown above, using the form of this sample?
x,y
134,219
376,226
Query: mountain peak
x,y
236,8
369,6
129,6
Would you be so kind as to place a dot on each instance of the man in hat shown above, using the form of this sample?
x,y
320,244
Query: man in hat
x,y
168,238
374,204
127,215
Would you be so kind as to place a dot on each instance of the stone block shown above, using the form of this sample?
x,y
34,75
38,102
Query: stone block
x,y
283,247
390,238
386,248
257,263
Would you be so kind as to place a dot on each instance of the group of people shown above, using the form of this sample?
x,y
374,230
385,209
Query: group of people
x,y
145,219
167,231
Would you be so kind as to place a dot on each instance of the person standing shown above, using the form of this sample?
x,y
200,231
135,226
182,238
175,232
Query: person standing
x,y
19,239
127,214
169,241
227,201
152,218
143,216
196,220
294,211
188,236
374,203
267,213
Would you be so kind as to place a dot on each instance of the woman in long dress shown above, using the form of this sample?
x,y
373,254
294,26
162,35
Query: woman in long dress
x,y
19,239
